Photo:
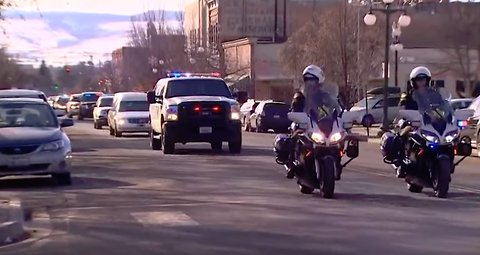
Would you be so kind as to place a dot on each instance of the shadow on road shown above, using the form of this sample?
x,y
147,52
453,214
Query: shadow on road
x,y
407,201
38,183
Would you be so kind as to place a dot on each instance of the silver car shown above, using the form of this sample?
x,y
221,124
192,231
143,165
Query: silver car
x,y
32,141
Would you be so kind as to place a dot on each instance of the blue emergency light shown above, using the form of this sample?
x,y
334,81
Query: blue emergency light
x,y
181,74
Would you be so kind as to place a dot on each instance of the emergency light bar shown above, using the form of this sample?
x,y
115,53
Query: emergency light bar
x,y
180,74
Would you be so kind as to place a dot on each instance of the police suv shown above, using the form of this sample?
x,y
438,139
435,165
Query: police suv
x,y
187,108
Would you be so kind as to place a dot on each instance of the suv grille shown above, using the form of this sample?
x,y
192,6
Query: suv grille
x,y
204,112
18,150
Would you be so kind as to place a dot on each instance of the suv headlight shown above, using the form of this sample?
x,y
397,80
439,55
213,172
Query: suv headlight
x,y
172,113
235,112
53,146
451,136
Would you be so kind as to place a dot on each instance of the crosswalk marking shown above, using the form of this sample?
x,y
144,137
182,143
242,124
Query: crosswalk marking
x,y
164,218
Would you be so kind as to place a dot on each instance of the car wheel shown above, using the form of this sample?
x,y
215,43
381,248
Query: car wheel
x,y
112,132
217,146
259,128
235,146
96,125
478,144
167,144
117,133
155,144
62,178
367,120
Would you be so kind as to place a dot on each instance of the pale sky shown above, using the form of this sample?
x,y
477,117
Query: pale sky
x,y
64,39
122,7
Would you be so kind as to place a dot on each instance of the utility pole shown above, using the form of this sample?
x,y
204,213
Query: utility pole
x,y
275,22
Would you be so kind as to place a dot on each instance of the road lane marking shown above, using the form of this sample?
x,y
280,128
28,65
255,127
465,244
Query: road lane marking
x,y
170,219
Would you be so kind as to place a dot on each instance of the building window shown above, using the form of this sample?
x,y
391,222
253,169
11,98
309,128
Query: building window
x,y
460,86
439,83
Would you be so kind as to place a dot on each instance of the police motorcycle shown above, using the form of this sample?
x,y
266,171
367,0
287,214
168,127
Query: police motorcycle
x,y
426,143
315,148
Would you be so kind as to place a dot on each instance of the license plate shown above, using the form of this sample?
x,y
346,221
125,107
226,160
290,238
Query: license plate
x,y
205,130
18,161
276,116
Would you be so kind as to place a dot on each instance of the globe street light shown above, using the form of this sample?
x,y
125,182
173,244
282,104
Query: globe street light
x,y
370,20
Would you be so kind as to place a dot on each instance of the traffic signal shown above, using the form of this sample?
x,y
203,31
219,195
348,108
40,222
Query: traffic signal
x,y
68,69
56,87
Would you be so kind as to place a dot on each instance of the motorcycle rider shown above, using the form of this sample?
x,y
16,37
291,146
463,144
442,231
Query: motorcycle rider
x,y
312,97
420,80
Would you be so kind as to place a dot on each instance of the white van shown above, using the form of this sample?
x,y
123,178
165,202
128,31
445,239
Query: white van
x,y
129,113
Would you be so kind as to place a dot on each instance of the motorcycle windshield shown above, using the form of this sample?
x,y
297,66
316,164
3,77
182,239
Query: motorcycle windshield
x,y
436,111
325,112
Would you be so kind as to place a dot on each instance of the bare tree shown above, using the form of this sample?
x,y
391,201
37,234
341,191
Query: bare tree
x,y
331,42
163,42
461,34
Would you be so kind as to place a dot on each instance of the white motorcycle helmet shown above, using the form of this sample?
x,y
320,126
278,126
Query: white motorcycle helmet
x,y
313,71
420,72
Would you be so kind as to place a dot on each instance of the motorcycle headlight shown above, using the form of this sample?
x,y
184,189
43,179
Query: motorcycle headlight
x,y
235,112
122,121
172,113
431,137
318,138
451,136
53,146
336,137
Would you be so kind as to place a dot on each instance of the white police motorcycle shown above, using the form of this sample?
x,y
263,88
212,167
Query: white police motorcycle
x,y
315,149
431,142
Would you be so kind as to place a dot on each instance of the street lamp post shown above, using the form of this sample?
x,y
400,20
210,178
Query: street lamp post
x,y
396,46
403,21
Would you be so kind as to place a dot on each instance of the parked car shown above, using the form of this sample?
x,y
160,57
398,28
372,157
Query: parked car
x,y
369,111
32,141
247,109
469,121
129,113
270,115
100,112
460,103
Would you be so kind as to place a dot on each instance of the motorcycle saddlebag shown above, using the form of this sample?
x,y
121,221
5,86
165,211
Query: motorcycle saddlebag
x,y
282,147
391,146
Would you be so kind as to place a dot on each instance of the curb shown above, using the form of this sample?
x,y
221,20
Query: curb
x,y
11,222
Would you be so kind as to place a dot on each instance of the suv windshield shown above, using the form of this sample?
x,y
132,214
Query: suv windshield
x,y
26,115
106,102
89,97
133,106
197,87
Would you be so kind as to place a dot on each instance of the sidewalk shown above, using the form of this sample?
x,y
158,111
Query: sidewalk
x,y
11,221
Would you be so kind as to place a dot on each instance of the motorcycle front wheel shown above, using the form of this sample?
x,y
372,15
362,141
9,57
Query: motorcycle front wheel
x,y
325,168
441,183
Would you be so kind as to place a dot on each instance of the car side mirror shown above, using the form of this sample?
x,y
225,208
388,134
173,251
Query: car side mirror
x,y
151,98
66,123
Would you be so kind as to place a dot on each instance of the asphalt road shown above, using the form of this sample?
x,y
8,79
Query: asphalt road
x,y
128,199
